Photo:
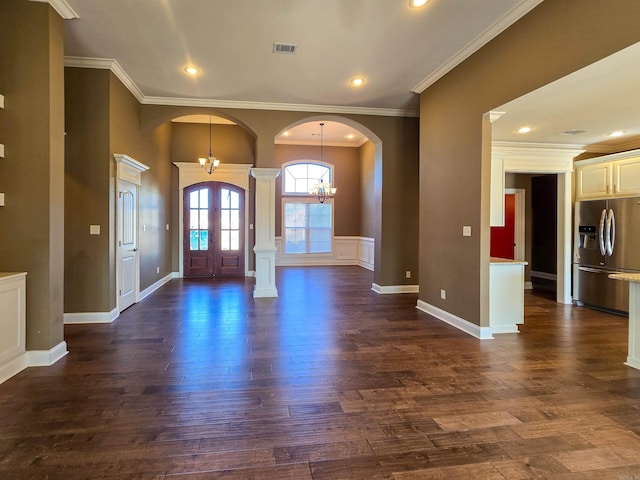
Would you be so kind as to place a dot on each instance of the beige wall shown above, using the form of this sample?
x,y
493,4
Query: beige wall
x,y
553,40
103,119
88,265
154,150
230,143
395,172
31,174
367,190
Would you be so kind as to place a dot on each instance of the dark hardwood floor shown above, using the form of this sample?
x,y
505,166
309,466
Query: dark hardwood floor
x,y
328,381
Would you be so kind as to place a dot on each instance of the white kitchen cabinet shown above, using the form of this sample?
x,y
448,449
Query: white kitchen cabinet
x,y
609,176
593,181
626,177
12,324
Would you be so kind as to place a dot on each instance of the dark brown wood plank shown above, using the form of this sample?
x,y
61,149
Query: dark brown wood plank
x,y
327,381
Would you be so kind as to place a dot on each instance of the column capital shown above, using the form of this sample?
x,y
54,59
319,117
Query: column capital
x,y
265,173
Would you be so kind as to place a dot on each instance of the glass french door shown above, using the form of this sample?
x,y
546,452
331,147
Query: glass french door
x,y
213,230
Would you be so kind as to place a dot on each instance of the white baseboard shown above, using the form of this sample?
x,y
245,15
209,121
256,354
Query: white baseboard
x,y
91,317
46,358
32,358
176,275
13,367
483,333
393,289
528,286
155,286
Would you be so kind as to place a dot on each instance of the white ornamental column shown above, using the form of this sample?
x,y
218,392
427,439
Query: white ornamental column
x,y
265,247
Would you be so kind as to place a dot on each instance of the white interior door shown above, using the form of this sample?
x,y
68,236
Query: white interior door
x,y
127,245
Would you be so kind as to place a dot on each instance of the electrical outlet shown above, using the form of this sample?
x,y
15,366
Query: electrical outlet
x,y
157,269
407,274
443,294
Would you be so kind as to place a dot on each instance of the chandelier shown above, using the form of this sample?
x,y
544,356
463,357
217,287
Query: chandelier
x,y
322,190
209,163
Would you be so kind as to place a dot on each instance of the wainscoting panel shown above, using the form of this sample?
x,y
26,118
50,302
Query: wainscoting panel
x,y
346,251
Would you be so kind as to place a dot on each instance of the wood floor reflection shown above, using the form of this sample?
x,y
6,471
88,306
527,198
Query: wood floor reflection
x,y
328,381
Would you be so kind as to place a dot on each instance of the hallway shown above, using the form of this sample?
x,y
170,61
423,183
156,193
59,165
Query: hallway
x,y
328,381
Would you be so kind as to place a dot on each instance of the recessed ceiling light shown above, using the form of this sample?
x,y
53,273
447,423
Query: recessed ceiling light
x,y
351,136
417,3
524,130
191,70
357,81
617,133
285,134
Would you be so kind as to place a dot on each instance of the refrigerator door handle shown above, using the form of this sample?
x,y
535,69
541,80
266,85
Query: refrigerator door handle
x,y
601,235
611,232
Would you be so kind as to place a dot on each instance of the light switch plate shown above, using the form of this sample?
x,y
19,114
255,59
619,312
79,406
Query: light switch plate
x,y
1,150
1,199
466,231
1,101
94,229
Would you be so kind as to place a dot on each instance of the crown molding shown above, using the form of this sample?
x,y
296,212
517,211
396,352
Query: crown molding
x,y
477,43
536,157
537,147
114,66
613,148
106,64
286,107
62,7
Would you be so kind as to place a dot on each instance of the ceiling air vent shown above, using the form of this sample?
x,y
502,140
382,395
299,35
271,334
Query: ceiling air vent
x,y
289,48
573,131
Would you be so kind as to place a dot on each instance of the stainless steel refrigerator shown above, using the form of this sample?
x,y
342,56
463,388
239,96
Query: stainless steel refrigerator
x,y
606,240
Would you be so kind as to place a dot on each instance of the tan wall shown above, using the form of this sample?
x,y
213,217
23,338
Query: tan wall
x,y
31,174
346,177
103,119
154,150
553,40
88,265
396,166
367,190
230,143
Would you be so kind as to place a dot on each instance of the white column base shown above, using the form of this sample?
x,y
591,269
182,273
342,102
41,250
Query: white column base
x,y
265,273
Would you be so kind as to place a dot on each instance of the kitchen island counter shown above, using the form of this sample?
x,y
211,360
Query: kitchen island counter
x,y
633,356
506,294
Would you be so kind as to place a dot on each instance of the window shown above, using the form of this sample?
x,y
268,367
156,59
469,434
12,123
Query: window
x,y
199,219
307,225
302,177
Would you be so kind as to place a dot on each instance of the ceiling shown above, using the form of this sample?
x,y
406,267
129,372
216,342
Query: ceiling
x,y
398,50
580,109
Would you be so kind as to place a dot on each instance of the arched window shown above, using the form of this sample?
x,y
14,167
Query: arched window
x,y
307,225
300,177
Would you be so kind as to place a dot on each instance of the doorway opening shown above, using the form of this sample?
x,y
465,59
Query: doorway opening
x,y
213,230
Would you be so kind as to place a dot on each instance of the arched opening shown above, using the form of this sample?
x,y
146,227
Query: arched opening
x,y
349,156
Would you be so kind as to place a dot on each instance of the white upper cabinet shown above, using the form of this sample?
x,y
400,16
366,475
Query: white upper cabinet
x,y
626,177
610,176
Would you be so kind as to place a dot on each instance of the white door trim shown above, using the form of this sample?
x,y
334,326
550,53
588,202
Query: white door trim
x,y
128,171
234,174
520,222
